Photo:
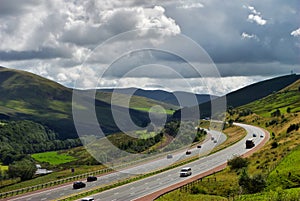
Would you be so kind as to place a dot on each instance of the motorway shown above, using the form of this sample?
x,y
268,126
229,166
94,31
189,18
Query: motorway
x,y
163,180
147,166
160,181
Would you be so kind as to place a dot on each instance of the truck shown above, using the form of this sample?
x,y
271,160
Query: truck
x,y
250,143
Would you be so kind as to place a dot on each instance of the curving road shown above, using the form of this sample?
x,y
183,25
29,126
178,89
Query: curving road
x,y
149,185
158,163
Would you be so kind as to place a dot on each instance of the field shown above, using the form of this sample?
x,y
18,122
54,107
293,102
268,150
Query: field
x,y
167,111
3,168
53,158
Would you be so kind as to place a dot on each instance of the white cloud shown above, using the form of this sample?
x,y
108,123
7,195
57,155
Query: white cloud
x,y
192,5
296,33
249,36
255,16
257,19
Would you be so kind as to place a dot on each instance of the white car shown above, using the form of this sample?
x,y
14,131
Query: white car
x,y
88,199
187,171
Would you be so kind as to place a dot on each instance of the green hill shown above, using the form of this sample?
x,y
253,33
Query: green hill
x,y
247,94
286,100
31,97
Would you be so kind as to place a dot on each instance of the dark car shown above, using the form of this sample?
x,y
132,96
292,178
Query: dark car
x,y
91,178
169,156
199,146
188,152
254,135
78,184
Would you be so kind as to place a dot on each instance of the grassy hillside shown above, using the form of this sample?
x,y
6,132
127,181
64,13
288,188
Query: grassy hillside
x,y
166,97
248,94
286,100
28,96
136,102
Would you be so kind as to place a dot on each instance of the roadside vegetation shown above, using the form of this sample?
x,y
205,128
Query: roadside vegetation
x,y
272,173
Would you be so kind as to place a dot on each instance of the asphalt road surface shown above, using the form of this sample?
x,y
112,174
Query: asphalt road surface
x,y
148,166
160,181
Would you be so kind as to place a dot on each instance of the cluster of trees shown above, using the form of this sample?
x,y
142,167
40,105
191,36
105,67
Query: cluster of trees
x,y
292,127
19,138
136,145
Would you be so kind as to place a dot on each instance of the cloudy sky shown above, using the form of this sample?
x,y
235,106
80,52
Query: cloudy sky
x,y
188,45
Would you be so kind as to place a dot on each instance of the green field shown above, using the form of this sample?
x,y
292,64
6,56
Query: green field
x,y
53,158
3,168
167,111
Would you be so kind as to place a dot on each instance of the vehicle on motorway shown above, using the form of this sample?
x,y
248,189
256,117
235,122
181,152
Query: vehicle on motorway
x,y
78,184
254,135
88,199
250,143
212,138
169,156
261,136
91,178
215,141
199,146
186,171
188,152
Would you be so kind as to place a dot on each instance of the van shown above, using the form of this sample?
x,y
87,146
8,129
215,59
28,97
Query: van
x,y
187,171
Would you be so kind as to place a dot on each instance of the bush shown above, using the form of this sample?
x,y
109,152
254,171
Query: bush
x,y
253,184
238,162
24,169
274,145
197,190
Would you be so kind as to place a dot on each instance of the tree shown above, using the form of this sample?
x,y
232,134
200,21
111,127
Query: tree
x,y
238,162
288,110
253,184
24,169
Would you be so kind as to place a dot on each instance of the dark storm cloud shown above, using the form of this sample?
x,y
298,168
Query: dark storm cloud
x,y
15,7
44,53
243,38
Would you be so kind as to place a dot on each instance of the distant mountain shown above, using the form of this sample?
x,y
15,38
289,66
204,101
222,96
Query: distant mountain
x,y
247,94
28,96
186,98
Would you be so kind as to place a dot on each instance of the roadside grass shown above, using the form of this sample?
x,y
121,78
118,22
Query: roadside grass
x,y
234,134
287,173
53,158
274,195
180,196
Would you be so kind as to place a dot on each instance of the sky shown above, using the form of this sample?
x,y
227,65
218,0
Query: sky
x,y
198,46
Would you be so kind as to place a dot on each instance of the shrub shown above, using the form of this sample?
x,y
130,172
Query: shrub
x,y
238,162
274,145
